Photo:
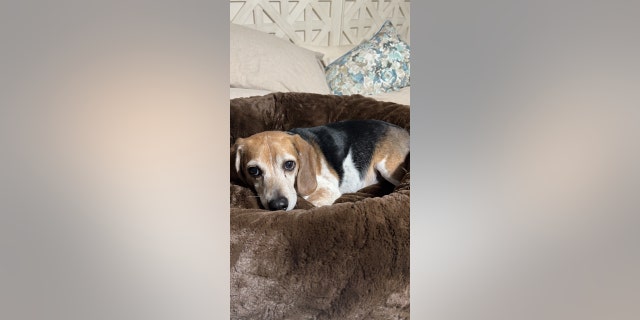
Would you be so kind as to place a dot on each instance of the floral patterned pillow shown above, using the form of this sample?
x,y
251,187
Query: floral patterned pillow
x,y
378,65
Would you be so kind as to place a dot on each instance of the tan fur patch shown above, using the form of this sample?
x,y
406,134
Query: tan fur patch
x,y
320,196
388,158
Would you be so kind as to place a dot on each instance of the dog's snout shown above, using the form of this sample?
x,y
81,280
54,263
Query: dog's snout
x,y
280,203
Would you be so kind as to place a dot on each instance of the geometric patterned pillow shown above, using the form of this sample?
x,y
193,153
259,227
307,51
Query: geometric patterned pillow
x,y
380,64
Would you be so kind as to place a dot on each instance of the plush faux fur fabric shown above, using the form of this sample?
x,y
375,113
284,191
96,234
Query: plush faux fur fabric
x,y
349,260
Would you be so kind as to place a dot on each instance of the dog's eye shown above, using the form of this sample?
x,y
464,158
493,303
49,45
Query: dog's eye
x,y
289,165
254,171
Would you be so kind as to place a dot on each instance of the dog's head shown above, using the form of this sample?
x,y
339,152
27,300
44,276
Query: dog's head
x,y
278,165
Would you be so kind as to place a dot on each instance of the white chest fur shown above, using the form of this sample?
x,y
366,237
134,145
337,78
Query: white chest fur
x,y
351,181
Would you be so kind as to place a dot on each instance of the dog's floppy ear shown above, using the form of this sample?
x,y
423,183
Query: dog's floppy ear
x,y
306,180
235,161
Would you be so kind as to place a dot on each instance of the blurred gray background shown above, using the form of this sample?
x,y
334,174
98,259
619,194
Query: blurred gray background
x,y
528,117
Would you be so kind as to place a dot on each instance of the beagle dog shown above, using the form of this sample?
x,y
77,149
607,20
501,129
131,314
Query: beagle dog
x,y
320,163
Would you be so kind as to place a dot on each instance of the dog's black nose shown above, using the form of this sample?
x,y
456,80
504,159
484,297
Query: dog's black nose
x,y
279,204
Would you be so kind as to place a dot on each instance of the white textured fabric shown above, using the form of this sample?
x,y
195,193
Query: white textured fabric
x,y
244,92
260,60
330,54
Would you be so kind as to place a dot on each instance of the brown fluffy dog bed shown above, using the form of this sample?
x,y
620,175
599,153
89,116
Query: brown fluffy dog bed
x,y
349,260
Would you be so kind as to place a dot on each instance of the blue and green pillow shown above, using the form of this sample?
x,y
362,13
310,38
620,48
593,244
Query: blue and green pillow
x,y
380,64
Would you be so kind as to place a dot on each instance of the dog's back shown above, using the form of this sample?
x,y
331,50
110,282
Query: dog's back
x,y
360,150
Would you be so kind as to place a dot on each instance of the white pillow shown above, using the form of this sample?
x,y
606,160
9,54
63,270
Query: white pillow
x,y
259,60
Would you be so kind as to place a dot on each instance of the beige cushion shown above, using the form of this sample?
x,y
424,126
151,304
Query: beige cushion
x,y
260,60
330,53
